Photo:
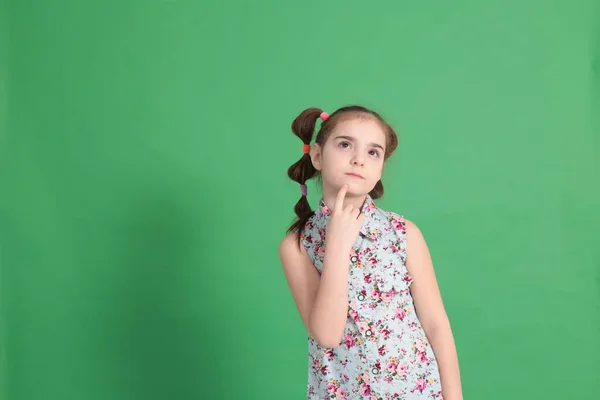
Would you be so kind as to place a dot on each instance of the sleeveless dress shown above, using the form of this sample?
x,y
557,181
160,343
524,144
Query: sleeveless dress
x,y
384,352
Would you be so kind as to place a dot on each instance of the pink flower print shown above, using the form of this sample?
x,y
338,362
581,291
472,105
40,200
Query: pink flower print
x,y
329,354
321,252
401,313
397,224
374,332
346,377
373,398
376,295
354,315
316,364
370,207
349,340
368,278
341,394
352,305
325,370
421,384
402,370
382,350
331,388
364,326
420,345
385,333
366,378
422,357
408,278
387,297
391,367
365,390
372,261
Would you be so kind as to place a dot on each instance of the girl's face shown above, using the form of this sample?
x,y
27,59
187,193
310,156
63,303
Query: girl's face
x,y
353,154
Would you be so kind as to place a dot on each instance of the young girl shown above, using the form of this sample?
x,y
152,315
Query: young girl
x,y
361,277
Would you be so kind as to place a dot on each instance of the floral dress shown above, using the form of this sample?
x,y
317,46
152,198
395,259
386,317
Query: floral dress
x,y
384,353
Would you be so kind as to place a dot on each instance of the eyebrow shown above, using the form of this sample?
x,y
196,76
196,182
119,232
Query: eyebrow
x,y
350,138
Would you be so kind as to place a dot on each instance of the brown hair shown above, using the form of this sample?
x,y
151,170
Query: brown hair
x,y
303,169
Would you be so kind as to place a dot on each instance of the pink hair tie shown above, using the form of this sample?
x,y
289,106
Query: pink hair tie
x,y
303,188
324,116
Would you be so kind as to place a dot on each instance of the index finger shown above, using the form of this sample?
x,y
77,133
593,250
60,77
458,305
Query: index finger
x,y
339,200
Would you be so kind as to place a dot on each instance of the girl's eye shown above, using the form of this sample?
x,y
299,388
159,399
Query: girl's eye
x,y
346,145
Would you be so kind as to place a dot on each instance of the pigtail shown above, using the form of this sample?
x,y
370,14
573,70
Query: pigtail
x,y
391,145
303,169
377,191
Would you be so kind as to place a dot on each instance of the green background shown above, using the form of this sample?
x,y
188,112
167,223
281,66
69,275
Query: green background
x,y
143,190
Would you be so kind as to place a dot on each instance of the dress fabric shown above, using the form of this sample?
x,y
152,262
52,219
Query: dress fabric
x,y
384,352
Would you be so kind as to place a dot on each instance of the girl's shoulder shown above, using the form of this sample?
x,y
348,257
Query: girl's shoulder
x,y
395,219
289,246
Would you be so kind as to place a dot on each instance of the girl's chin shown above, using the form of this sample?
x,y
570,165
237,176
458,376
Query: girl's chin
x,y
354,188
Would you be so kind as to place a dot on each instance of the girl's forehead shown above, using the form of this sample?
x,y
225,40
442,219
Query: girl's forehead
x,y
360,128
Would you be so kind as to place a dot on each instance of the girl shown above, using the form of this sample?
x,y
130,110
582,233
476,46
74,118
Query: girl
x,y
361,277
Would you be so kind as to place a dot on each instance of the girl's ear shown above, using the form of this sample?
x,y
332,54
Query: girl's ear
x,y
316,154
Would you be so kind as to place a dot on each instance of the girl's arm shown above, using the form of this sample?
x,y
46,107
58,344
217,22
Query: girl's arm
x,y
431,312
321,299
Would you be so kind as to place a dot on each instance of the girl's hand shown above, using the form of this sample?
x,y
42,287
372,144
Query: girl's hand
x,y
345,223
